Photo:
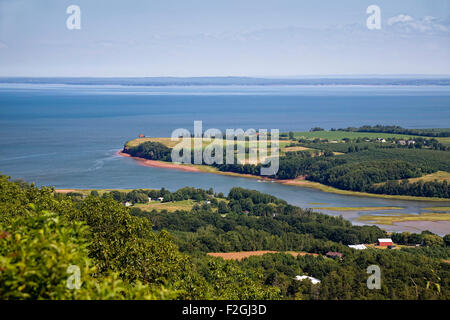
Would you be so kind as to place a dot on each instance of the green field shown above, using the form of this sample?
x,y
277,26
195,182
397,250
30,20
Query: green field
x,y
339,135
169,206
170,144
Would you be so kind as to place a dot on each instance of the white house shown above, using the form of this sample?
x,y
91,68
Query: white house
x,y
301,278
149,199
160,199
381,140
127,204
358,246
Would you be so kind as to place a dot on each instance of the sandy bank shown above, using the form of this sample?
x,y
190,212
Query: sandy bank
x,y
161,164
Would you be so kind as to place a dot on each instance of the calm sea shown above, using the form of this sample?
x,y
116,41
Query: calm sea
x,y
67,136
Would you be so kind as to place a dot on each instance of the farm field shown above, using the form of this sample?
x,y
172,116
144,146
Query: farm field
x,y
169,206
170,144
246,254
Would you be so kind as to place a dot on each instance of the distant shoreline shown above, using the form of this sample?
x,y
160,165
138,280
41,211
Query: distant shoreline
x,y
370,80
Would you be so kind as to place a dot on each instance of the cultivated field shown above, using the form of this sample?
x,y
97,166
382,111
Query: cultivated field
x,y
170,144
246,254
169,206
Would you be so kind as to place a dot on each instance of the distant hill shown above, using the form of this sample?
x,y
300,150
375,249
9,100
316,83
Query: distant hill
x,y
225,81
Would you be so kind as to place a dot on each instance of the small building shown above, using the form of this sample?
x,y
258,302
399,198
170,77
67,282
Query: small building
x,y
401,142
141,136
381,140
128,204
385,242
357,246
411,142
207,202
161,199
334,255
312,279
149,199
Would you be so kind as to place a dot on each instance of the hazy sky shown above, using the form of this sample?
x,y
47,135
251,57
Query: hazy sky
x,y
222,38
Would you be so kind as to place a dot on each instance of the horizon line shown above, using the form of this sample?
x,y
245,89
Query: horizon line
x,y
278,77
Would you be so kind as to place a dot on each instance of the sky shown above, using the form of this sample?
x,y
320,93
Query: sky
x,y
276,38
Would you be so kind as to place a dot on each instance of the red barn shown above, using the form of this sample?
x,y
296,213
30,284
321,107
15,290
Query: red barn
x,y
385,242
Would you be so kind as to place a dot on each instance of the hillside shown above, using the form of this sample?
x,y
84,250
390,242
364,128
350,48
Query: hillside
x,y
125,253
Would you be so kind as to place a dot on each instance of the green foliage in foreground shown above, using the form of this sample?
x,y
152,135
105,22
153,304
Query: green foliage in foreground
x,y
124,256
36,250
119,255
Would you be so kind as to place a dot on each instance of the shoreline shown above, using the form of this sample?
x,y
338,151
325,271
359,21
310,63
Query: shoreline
x,y
299,182
160,164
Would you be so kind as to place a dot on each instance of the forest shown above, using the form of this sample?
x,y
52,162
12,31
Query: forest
x,y
129,253
364,165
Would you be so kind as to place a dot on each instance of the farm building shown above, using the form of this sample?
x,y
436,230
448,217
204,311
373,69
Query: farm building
x,y
334,255
357,246
312,279
385,242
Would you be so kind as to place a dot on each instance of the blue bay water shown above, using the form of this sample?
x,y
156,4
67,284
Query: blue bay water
x,y
68,136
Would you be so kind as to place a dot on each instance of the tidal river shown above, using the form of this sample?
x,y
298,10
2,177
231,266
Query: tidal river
x,y
68,136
